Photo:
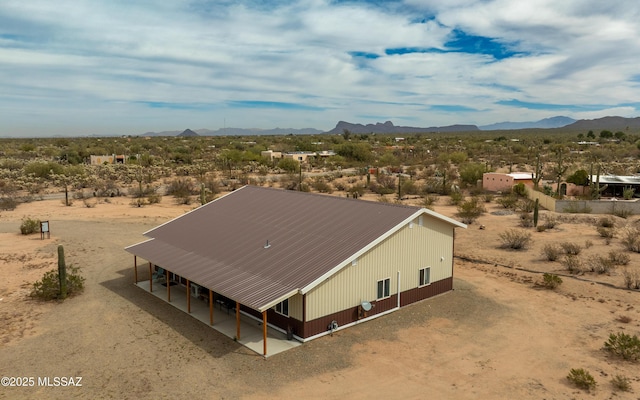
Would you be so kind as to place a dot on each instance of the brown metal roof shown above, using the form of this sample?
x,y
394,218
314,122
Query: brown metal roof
x,y
221,245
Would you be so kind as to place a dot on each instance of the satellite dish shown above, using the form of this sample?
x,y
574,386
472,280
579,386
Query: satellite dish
x,y
366,306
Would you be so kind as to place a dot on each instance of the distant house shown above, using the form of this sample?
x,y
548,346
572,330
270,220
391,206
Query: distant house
x,y
271,155
499,182
304,263
299,156
615,185
107,159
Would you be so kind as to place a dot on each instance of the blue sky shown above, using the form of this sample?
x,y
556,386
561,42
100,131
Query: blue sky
x,y
111,67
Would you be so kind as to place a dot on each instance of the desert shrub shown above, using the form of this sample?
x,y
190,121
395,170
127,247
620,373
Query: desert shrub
x,y
470,210
384,184
622,213
408,187
356,191
153,198
526,205
607,233
623,345
519,189
321,186
8,203
551,251
628,193
526,220
550,281
29,226
581,378
618,258
621,383
48,288
631,279
430,200
487,197
541,228
572,249
455,198
515,239
550,221
572,263
630,239
588,244
606,222
339,185
600,264
508,201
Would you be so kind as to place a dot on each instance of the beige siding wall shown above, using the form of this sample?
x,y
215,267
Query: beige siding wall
x,y
295,307
408,250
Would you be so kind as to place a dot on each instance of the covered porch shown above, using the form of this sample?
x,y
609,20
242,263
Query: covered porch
x,y
217,312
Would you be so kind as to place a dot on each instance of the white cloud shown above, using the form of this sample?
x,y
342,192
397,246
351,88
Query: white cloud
x,y
95,58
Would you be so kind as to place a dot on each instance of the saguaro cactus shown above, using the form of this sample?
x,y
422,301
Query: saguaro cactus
x,y
62,272
536,208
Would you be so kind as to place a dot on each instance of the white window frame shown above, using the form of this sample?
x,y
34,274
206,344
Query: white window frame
x,y
280,308
386,289
424,272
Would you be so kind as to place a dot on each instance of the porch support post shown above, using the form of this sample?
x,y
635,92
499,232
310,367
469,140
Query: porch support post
x,y
168,286
188,297
264,333
237,320
210,307
135,268
150,278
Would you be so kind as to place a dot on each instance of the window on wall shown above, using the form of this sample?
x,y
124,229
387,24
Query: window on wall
x,y
283,308
383,288
425,276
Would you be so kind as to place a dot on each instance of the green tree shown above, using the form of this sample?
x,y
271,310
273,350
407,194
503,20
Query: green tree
x,y
289,165
471,173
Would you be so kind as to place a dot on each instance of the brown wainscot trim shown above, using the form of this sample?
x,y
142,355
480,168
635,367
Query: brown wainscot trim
x,y
344,317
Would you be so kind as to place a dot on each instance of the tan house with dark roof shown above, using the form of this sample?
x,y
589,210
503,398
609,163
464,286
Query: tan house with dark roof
x,y
304,263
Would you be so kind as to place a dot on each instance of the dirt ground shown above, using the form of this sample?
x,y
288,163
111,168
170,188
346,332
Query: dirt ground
x,y
496,336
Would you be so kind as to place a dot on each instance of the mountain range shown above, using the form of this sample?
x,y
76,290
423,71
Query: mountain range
x,y
596,125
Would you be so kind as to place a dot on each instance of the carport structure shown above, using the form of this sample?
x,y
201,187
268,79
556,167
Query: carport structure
x,y
220,313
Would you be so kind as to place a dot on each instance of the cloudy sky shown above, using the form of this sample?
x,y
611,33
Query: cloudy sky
x,y
75,67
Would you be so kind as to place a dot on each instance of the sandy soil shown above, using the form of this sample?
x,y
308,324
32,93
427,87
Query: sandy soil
x,y
495,336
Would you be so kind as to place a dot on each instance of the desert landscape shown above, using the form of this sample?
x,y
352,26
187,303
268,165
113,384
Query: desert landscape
x,y
497,335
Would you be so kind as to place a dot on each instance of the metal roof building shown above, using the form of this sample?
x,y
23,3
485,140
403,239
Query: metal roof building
x,y
302,262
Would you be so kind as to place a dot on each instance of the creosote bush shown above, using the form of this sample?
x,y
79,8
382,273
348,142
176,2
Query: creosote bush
x,y
572,249
621,383
606,222
551,251
573,264
470,210
550,221
631,279
48,288
508,201
600,264
623,345
550,281
630,239
29,226
619,258
515,239
582,378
